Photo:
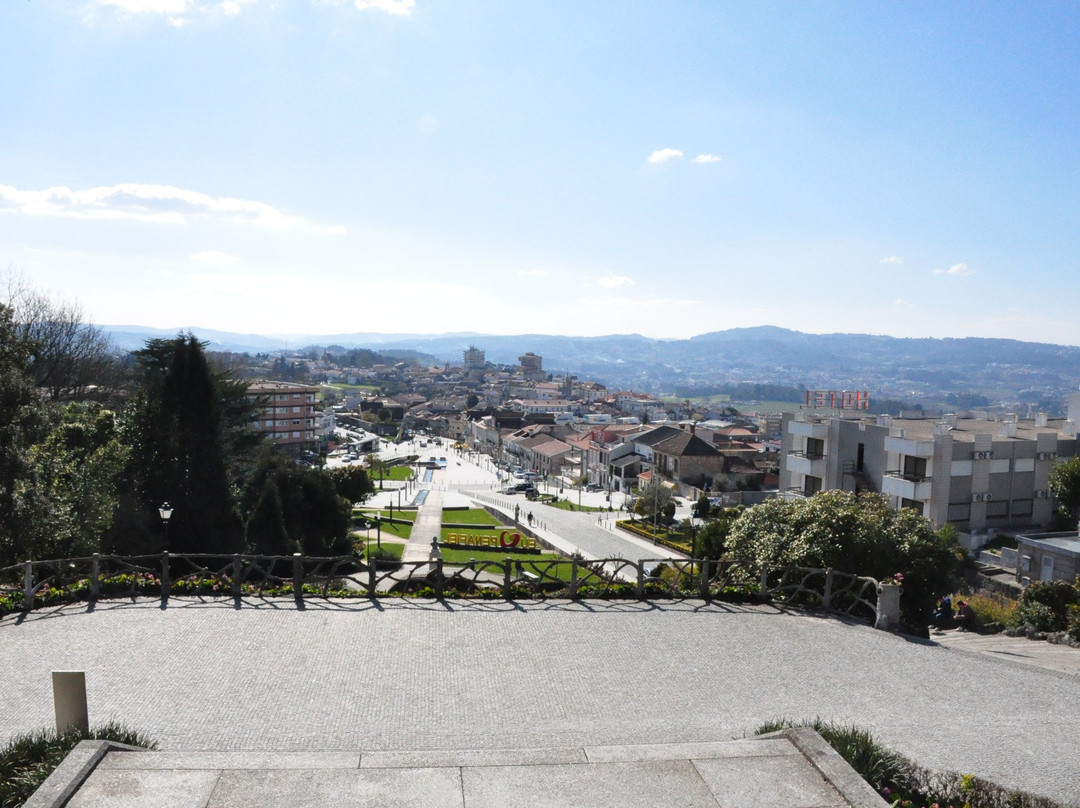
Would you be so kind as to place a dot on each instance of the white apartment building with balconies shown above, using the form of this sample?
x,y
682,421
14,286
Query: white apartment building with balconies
x,y
973,472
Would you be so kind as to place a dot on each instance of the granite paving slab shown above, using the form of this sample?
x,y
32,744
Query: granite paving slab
x,y
336,788
145,788
645,784
767,782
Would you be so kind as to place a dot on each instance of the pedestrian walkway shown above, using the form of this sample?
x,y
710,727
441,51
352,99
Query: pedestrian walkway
x,y
394,674
1019,650
792,769
428,524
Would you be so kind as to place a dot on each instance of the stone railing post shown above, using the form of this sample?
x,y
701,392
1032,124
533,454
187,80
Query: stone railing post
x,y
371,579
573,579
888,607
298,575
236,574
95,576
438,578
639,588
826,596
507,575
165,573
28,586
703,584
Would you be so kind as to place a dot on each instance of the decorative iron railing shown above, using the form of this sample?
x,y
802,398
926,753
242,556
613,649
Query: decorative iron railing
x,y
38,583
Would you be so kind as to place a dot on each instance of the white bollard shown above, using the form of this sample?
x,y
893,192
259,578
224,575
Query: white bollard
x,y
69,700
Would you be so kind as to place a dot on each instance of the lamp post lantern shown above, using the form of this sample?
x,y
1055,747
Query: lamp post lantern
x,y
165,512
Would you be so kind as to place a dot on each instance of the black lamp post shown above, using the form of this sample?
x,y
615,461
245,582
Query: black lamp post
x,y
165,512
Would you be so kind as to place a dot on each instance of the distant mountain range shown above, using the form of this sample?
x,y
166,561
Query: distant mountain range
x,y
999,368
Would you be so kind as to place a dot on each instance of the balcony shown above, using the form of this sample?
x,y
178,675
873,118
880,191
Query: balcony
x,y
812,463
808,429
911,448
906,486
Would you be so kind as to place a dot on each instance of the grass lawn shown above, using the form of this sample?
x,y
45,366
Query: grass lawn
x,y
537,564
398,473
388,547
369,513
402,531
472,516
568,505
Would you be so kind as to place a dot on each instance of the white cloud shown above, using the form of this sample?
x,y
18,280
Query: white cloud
x,y
213,257
663,155
892,259
902,303
961,270
613,281
149,6
707,158
175,10
532,273
401,8
164,204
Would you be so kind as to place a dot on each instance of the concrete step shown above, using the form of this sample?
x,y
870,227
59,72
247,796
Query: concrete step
x,y
791,769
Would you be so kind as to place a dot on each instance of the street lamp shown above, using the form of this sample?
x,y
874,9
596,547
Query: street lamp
x,y
165,512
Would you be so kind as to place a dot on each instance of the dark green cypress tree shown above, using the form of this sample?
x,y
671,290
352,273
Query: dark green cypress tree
x,y
176,428
266,526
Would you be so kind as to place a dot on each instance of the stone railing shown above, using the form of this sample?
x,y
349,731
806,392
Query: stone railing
x,y
834,591
40,583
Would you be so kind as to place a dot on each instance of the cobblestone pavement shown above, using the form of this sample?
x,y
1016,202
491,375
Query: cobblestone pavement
x,y
397,675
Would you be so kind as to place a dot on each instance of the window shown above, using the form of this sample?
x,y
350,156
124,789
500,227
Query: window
x,y
959,511
997,509
815,448
912,505
811,485
914,467
1022,507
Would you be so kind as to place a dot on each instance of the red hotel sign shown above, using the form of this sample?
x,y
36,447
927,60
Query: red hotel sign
x,y
506,539
838,399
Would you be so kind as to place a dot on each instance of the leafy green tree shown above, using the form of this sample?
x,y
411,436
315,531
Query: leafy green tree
x,y
68,494
20,418
1065,486
712,536
376,467
351,482
653,499
177,428
315,518
856,534
703,507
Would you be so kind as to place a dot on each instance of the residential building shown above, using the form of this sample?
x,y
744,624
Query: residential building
x,y
532,369
288,416
973,472
474,359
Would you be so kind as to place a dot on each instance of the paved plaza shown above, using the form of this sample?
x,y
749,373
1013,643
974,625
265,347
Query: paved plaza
x,y
424,675
527,688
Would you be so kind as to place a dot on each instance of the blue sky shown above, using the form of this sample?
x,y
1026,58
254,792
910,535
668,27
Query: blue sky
x,y
546,166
